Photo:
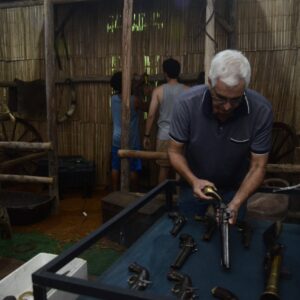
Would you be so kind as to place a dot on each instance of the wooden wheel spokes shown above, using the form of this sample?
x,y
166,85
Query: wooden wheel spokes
x,y
284,141
19,131
4,133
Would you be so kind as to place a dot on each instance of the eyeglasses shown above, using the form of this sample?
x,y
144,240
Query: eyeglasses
x,y
221,100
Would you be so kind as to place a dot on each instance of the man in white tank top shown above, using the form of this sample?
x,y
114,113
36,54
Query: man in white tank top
x,y
162,101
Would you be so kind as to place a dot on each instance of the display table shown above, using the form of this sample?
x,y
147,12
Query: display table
x,y
157,250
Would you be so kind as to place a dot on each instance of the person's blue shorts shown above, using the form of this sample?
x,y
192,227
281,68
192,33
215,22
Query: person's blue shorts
x,y
135,163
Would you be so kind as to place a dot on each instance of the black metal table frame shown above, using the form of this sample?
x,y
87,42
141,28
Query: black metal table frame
x,y
46,277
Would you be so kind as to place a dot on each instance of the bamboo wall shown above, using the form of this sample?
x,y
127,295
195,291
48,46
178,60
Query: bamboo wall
x,y
266,31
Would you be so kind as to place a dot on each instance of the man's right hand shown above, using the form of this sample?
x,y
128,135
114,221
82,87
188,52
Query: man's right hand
x,y
198,186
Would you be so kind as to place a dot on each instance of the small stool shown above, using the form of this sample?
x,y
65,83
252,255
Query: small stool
x,y
128,231
265,206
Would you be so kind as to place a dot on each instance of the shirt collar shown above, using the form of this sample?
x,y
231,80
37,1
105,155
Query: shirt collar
x,y
242,110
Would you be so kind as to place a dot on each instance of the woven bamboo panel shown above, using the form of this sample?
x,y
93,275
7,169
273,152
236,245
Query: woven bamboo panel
x,y
21,33
267,31
267,25
275,83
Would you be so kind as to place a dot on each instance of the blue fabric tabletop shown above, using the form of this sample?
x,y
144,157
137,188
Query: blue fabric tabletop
x,y
157,249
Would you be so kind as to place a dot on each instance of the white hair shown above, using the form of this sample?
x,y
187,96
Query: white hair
x,y
230,66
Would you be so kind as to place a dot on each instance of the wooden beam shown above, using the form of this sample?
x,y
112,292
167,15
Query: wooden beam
x,y
26,145
126,86
13,162
210,44
15,4
192,77
50,98
25,178
271,168
71,1
126,153
7,84
224,24
283,168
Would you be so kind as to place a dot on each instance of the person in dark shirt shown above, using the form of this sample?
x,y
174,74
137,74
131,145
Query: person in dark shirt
x,y
220,136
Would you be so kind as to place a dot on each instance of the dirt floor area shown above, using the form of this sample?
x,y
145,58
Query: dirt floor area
x,y
76,218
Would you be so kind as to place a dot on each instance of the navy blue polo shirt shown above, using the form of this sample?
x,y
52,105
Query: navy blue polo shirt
x,y
220,152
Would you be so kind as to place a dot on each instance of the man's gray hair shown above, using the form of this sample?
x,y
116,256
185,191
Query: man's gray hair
x,y
230,66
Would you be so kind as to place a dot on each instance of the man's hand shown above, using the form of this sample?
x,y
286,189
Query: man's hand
x,y
180,164
198,186
251,182
233,209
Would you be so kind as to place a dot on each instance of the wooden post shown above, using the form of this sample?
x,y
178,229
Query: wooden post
x,y
210,44
297,91
232,20
126,85
51,101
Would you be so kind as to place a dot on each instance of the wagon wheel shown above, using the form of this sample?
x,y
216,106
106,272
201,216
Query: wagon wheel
x,y
18,131
284,142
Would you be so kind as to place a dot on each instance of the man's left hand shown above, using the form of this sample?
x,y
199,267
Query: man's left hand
x,y
233,210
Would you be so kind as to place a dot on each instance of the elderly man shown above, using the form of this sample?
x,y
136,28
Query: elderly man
x,y
221,136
